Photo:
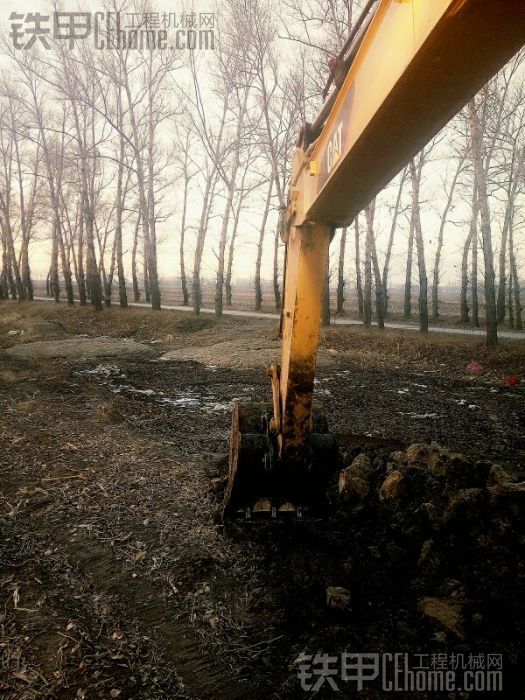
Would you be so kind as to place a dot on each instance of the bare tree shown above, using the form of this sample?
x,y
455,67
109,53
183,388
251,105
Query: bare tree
x,y
441,232
367,297
341,271
242,193
371,245
275,278
514,281
517,159
358,279
415,176
325,310
464,306
188,173
260,242
407,303
134,252
393,227
474,271
480,174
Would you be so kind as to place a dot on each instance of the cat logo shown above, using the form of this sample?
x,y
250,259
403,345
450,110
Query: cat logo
x,y
334,148
334,151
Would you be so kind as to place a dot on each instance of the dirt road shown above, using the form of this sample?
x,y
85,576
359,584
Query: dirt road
x,y
446,330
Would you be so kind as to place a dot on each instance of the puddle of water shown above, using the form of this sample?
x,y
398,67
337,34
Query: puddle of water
x,y
111,376
103,372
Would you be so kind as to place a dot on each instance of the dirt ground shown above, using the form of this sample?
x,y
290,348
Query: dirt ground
x,y
116,580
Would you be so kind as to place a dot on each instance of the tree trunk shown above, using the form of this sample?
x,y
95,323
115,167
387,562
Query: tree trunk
x,y
153,275
515,278
10,279
325,315
81,276
358,281
407,304
439,247
231,185
510,301
26,270
463,302
108,279
502,285
134,274
415,175
388,254
474,276
231,253
66,269
3,276
145,278
53,272
122,292
367,301
121,195
219,283
378,284
341,272
260,243
515,170
146,199
183,280
464,307
93,276
93,280
491,321
13,268
199,247
276,289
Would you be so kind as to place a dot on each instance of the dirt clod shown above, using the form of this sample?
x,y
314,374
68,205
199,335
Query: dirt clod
x,y
445,613
337,597
392,487
354,480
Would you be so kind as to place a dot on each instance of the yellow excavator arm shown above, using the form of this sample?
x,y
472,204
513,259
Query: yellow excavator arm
x,y
407,68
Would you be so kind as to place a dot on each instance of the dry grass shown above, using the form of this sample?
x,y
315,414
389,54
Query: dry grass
x,y
444,353
119,323
367,346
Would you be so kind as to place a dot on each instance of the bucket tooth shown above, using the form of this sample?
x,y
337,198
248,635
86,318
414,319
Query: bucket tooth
x,y
287,508
263,505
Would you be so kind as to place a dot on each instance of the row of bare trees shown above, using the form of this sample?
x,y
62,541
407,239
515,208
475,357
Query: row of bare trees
x,y
111,158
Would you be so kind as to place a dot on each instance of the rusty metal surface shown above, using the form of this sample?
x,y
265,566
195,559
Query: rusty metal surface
x,y
306,264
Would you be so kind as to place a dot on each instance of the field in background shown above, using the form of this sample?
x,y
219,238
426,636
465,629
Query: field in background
x,y
243,300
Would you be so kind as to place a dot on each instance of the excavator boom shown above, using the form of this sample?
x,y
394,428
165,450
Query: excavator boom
x,y
408,67
417,66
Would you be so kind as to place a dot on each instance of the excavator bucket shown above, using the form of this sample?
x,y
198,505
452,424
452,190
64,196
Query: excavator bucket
x,y
260,483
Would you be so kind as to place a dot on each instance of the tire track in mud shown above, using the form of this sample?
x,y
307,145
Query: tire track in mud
x,y
137,601
203,675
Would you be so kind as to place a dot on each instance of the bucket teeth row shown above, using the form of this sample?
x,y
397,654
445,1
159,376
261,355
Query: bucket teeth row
x,y
263,485
265,508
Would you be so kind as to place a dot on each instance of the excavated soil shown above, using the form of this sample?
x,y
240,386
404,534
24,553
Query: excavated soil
x,y
117,581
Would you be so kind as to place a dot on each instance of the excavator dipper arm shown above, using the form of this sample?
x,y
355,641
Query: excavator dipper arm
x,y
411,67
